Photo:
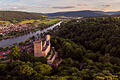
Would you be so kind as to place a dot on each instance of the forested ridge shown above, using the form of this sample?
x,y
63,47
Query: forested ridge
x,y
90,50
96,34
94,43
84,13
18,15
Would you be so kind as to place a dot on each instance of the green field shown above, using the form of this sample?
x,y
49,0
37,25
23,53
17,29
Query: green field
x,y
51,21
26,21
39,21
36,22
5,22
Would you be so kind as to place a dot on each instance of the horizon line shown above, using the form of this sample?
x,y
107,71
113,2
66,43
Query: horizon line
x,y
59,11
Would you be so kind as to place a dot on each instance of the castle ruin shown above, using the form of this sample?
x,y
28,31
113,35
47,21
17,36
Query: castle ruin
x,y
40,49
43,50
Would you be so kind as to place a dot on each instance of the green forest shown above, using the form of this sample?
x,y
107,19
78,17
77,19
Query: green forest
x,y
90,49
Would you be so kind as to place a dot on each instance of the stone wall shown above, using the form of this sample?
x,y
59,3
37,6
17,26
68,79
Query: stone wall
x,y
45,52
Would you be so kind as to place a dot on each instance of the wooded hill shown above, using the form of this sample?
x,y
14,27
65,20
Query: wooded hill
x,y
85,13
18,15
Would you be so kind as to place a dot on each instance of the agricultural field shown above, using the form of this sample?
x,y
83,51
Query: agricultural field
x,y
40,21
5,22
36,22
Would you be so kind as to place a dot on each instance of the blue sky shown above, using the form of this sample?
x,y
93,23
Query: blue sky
x,y
49,6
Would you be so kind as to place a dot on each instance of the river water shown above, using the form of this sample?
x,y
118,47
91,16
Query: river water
x,y
19,39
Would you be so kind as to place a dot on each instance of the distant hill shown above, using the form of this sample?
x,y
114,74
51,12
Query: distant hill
x,y
116,14
86,13
18,15
112,13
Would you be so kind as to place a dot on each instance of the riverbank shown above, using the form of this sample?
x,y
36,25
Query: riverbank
x,y
22,38
20,33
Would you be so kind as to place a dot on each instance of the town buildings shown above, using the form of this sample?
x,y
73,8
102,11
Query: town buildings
x,y
7,28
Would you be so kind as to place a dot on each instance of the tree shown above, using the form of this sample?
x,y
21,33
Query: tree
x,y
2,69
105,75
68,71
68,62
15,53
1,36
43,69
25,70
105,58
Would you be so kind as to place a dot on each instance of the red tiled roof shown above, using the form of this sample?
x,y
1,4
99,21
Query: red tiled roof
x,y
1,56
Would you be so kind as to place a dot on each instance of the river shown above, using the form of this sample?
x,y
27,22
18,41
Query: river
x,y
19,39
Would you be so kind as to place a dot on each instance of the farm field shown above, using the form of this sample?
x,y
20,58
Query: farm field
x,y
5,22
39,21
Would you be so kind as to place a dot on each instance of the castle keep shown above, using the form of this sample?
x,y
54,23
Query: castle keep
x,y
43,50
40,49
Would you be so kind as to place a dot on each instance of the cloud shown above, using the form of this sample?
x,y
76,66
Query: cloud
x,y
106,5
65,7
82,4
59,5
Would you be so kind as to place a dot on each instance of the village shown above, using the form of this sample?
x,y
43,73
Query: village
x,y
8,28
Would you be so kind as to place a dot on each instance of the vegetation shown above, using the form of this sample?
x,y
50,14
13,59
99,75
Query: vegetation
x,y
23,70
94,43
4,22
15,53
39,21
14,16
84,13
89,48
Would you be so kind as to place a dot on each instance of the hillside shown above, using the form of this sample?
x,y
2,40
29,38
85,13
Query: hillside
x,y
117,14
94,34
86,13
113,13
95,43
18,15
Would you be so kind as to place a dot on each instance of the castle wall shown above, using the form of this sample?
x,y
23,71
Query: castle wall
x,y
47,37
55,55
44,44
45,52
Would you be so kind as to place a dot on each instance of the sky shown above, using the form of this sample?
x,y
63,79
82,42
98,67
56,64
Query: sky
x,y
50,6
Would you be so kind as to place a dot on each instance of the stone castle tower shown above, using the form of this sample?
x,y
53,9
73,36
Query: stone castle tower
x,y
40,49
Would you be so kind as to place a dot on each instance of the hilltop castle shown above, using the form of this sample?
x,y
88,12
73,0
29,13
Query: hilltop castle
x,y
40,49
43,50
